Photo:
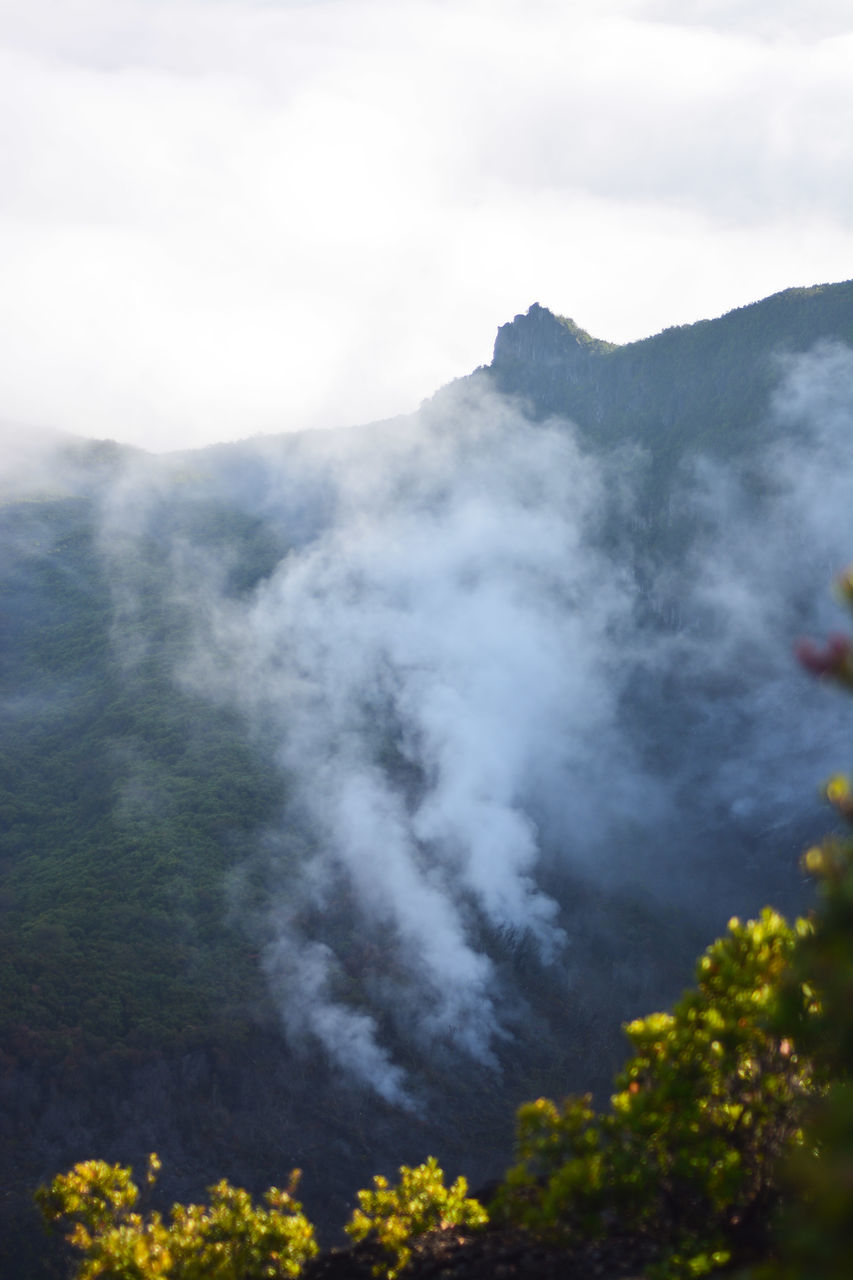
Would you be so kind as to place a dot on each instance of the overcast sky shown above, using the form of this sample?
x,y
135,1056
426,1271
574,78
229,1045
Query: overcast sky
x,y
226,217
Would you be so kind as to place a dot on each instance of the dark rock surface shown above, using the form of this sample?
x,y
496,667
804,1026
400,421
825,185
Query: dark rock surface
x,y
494,1254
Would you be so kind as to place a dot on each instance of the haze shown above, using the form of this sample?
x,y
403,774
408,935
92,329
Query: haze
x,y
220,220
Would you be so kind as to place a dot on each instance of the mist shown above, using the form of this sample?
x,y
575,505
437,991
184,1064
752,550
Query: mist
x,y
484,684
242,217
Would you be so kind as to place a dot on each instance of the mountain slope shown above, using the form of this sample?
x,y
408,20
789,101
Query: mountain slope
x,y
357,785
701,386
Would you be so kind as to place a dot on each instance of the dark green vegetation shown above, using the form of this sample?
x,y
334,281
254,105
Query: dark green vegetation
x,y
707,384
702,388
124,802
728,1142
703,1114
138,815
729,1138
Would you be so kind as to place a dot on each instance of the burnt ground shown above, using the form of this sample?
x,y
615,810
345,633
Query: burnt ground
x,y
493,1254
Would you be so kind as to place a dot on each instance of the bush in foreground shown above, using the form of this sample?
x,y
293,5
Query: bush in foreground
x,y
394,1216
734,1108
229,1239
718,1116
688,1153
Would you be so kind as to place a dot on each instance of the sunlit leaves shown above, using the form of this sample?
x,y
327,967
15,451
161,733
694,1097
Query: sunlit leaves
x,y
736,1103
231,1238
701,1112
394,1216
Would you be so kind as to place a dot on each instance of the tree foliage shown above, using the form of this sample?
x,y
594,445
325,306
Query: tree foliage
x,y
394,1216
231,1238
731,1121
816,1232
736,1105
816,1225
688,1150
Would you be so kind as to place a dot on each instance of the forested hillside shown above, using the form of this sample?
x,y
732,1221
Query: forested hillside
x,y
356,786
703,386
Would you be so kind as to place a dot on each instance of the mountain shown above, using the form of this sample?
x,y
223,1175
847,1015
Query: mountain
x,y
357,785
704,385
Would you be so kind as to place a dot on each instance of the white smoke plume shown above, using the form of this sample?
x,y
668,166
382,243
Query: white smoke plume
x,y
776,530
472,687
451,639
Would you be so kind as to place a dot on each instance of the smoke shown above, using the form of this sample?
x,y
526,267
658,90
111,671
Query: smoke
x,y
774,531
481,690
28,460
448,641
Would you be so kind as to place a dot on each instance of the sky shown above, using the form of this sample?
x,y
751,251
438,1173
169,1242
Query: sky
x,y
226,218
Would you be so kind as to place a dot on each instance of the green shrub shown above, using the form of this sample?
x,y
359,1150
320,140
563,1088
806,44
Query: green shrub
x,y
688,1152
816,1225
229,1239
737,1103
394,1216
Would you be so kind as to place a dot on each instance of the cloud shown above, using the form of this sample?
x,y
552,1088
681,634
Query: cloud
x,y
219,220
769,19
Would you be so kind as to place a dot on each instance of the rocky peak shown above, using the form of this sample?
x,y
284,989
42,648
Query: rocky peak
x,y
540,337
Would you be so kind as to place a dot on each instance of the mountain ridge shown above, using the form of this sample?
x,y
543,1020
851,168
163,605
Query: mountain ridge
x,y
538,317
150,828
